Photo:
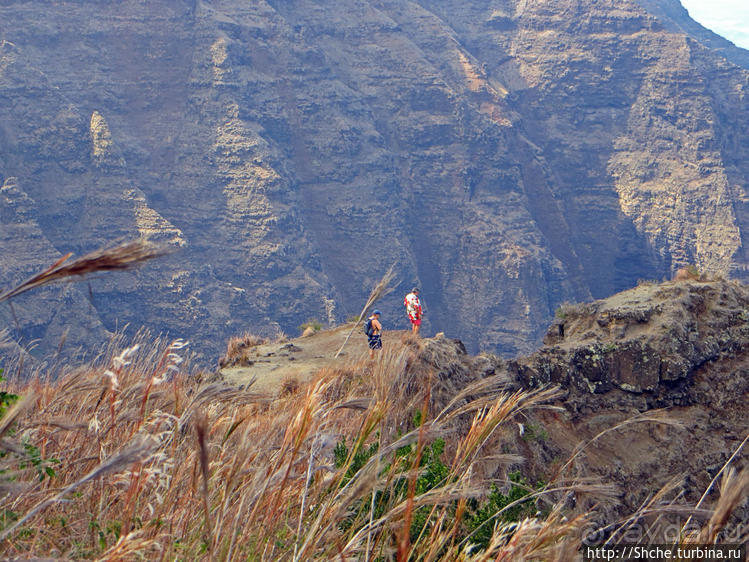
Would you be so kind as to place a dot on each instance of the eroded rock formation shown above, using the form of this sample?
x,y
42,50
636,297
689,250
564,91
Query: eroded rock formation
x,y
676,352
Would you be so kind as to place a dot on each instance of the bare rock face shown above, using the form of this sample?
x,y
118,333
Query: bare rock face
x,y
506,156
675,351
643,346
62,314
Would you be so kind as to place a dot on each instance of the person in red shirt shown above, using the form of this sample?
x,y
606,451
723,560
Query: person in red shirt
x,y
413,309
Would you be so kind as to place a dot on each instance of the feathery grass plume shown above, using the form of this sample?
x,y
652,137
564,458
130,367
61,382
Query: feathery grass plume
x,y
653,504
201,424
10,482
285,477
443,495
385,530
734,490
12,414
488,418
120,257
319,474
138,450
380,290
404,542
652,416
132,547
554,538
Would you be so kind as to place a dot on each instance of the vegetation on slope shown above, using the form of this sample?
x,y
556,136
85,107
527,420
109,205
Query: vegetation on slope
x,y
150,461
137,456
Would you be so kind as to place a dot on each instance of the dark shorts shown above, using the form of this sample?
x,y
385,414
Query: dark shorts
x,y
375,342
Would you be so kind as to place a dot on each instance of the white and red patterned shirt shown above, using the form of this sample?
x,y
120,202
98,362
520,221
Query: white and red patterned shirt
x,y
413,305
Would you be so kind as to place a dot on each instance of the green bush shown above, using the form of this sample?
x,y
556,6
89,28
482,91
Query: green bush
x,y
31,456
535,432
316,325
432,474
481,518
6,398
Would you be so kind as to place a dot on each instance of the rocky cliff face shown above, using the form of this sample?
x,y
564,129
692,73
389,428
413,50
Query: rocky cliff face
x,y
507,156
654,384
678,349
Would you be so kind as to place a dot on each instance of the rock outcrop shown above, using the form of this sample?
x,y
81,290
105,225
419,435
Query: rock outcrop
x,y
506,156
675,352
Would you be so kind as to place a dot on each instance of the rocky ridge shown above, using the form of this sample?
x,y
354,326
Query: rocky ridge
x,y
650,346
677,349
654,382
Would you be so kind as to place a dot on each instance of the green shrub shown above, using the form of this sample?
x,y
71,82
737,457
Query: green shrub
x,y
6,398
693,271
535,432
361,456
316,325
481,518
33,457
432,474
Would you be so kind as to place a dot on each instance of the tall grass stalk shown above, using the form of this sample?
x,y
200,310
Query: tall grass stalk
x,y
205,470
380,290
715,478
119,257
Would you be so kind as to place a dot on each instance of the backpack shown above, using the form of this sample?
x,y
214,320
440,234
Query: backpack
x,y
368,328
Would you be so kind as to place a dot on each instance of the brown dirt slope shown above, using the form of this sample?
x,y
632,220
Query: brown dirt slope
x,y
298,359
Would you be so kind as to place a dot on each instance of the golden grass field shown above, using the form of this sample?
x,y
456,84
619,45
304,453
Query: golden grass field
x,y
149,461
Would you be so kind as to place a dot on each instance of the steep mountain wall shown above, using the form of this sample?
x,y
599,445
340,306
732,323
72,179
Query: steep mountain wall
x,y
507,156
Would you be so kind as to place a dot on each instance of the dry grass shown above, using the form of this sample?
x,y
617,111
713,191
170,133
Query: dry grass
x,y
309,331
156,465
689,273
133,457
239,350
119,257
290,386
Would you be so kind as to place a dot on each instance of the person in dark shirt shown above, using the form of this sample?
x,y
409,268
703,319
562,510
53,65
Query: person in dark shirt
x,y
375,334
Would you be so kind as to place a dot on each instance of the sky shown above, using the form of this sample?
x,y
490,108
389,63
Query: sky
x,y
729,18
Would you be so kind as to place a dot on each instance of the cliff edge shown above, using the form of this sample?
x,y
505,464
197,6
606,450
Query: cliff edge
x,y
666,363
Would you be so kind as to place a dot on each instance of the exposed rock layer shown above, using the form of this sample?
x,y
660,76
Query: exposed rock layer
x,y
679,346
507,156
654,382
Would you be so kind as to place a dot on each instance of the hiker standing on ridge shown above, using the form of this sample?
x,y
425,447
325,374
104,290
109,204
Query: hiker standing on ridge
x,y
413,309
373,329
